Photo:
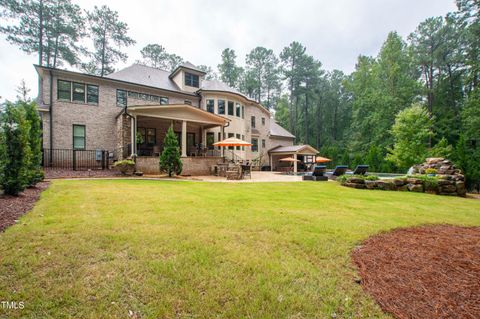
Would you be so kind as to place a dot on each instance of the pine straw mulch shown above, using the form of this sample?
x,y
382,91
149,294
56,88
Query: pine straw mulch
x,y
423,272
12,207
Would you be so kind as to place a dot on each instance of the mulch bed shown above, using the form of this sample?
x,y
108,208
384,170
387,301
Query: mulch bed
x,y
65,173
423,272
12,207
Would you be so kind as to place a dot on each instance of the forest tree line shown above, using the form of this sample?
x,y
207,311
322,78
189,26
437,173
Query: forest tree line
x,y
348,117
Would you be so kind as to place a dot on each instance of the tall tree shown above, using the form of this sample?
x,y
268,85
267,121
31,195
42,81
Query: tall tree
x,y
426,43
229,71
109,34
50,28
292,58
210,74
262,65
156,56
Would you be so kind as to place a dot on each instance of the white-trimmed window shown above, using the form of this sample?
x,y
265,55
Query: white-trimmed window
x,y
79,139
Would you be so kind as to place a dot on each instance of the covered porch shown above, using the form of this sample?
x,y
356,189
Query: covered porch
x,y
303,156
191,125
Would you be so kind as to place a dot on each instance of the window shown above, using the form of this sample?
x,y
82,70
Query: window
x,y
263,143
243,111
238,136
219,136
78,137
254,144
243,139
188,102
121,98
191,80
221,106
211,106
238,110
78,92
231,135
230,108
92,94
163,100
64,90
252,120
263,121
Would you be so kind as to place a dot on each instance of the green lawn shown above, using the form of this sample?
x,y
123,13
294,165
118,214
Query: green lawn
x,y
102,248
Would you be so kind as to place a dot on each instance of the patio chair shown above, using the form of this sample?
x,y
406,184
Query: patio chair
x,y
246,171
338,171
359,170
318,174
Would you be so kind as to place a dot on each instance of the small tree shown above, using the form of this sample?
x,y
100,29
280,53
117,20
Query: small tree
x,y
14,150
170,161
35,173
411,133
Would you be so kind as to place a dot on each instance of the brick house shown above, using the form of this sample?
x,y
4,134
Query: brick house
x,y
139,103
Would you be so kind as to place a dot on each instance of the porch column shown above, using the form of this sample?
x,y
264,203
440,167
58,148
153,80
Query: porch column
x,y
295,163
184,138
271,163
133,136
222,149
204,136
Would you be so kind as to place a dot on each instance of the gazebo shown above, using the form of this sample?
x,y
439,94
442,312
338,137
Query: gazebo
x,y
294,151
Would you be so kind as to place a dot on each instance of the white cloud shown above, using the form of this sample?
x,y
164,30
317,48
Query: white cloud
x,y
335,32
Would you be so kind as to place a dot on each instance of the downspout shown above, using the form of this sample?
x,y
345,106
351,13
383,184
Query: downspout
x,y
50,108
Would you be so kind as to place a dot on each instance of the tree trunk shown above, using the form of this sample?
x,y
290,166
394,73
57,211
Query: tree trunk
x,y
40,34
306,116
104,42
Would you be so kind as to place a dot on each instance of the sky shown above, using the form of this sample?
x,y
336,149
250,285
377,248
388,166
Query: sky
x,y
334,32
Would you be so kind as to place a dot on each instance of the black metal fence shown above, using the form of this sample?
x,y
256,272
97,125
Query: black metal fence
x,y
69,159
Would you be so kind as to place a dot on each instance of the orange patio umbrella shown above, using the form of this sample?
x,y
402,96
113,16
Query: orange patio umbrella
x,y
320,159
232,141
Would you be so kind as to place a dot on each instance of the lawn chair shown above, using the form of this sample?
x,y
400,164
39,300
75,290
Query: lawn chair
x,y
318,174
359,170
338,171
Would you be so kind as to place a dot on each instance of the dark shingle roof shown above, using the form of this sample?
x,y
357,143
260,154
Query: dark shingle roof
x,y
277,130
145,75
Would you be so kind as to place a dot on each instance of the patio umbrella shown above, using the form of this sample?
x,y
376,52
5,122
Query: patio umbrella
x,y
289,159
320,159
232,141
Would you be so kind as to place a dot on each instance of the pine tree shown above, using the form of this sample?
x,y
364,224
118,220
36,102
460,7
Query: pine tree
x,y
14,150
109,34
229,71
170,161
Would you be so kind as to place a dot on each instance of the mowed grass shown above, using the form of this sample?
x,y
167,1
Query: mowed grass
x,y
160,249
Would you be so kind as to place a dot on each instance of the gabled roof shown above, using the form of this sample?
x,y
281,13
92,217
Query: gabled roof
x,y
145,75
277,130
186,65
298,149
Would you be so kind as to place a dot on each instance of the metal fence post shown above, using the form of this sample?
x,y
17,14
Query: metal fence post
x,y
74,160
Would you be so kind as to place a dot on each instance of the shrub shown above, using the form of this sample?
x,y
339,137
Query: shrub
x,y
343,179
430,171
170,161
126,167
14,150
35,172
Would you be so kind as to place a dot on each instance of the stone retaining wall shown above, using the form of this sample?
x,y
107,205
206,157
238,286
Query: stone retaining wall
x,y
449,181
194,166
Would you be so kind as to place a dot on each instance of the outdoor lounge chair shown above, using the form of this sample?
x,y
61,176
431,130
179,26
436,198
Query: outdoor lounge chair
x,y
359,170
338,171
318,174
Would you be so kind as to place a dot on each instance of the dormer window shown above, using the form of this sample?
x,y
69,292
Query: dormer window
x,y
192,80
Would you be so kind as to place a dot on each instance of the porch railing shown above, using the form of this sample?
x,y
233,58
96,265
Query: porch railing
x,y
70,159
